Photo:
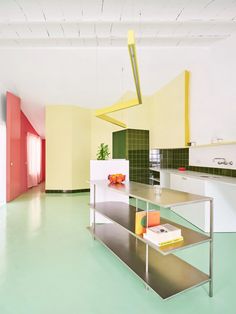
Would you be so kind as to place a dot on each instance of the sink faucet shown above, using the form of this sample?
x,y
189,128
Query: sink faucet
x,y
222,161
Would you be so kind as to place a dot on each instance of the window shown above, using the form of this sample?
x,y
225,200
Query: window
x,y
33,159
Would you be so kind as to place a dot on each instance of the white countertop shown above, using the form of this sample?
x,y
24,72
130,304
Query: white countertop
x,y
198,175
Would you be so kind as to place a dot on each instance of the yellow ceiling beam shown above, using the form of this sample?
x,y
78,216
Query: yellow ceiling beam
x,y
102,113
119,106
112,120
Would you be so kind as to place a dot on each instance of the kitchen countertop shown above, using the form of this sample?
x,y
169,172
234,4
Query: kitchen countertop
x,y
198,175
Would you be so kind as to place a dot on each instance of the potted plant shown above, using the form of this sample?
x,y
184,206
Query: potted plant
x,y
103,152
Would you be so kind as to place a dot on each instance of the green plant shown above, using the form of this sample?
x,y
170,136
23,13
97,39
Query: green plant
x,y
103,152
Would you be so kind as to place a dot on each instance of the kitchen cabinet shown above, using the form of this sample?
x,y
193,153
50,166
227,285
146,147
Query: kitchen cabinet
x,y
224,205
198,216
163,176
223,193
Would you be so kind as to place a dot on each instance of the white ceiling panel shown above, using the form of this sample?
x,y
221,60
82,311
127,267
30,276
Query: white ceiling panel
x,y
51,10
112,10
29,9
9,11
108,21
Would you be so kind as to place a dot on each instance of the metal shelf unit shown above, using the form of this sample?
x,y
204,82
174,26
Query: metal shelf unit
x,y
158,267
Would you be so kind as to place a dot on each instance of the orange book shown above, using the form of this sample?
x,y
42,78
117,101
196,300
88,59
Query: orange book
x,y
141,220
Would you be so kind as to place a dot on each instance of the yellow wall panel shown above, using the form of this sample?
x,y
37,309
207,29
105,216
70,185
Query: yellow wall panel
x,y
168,115
58,148
68,134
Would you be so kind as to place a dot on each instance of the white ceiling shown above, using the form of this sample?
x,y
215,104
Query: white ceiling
x,y
86,23
41,59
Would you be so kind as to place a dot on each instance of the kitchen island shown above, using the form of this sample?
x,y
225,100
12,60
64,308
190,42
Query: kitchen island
x,y
159,267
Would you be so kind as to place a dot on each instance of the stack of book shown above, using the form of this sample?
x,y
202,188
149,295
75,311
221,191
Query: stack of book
x,y
163,235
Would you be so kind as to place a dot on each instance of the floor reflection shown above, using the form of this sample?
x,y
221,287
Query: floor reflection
x,y
35,214
3,224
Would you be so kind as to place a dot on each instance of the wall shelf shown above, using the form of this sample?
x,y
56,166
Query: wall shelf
x,y
214,144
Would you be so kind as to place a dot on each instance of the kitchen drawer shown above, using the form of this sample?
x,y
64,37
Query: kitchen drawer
x,y
186,184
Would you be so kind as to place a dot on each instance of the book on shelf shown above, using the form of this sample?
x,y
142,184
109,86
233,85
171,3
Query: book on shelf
x,y
141,220
163,234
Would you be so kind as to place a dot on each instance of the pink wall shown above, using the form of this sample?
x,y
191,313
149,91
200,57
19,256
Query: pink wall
x,y
17,148
43,159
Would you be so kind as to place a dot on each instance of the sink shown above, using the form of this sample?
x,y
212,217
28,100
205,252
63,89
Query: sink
x,y
209,176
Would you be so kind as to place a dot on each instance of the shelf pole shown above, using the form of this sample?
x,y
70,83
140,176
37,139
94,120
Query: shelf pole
x,y
94,213
147,208
136,204
211,250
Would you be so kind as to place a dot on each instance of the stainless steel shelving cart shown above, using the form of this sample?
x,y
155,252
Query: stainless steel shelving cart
x,y
158,267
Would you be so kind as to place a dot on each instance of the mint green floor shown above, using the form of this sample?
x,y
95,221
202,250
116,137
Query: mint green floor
x,y
50,264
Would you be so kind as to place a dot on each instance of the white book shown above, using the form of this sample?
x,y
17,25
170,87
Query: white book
x,y
162,233
154,241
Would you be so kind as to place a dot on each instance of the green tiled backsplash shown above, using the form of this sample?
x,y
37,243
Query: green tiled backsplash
x,y
174,158
179,157
137,143
217,171
134,146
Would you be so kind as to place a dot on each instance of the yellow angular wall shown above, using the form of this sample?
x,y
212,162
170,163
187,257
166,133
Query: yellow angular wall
x,y
168,114
73,134
164,114
68,135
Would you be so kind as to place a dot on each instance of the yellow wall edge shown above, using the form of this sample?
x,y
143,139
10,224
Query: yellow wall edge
x,y
187,128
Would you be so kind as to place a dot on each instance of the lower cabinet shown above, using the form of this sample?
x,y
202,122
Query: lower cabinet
x,y
224,196
197,214
224,205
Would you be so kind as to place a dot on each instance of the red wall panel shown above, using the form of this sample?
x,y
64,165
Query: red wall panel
x,y
17,128
13,124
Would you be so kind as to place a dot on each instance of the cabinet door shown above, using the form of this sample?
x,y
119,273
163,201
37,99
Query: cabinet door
x,y
165,179
224,196
13,146
197,213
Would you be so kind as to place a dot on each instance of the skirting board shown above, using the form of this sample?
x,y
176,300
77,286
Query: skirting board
x,y
68,191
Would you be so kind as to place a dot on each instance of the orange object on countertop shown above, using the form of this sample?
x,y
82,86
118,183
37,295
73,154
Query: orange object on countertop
x,y
116,178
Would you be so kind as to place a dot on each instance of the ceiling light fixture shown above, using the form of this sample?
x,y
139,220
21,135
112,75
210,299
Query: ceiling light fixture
x,y
102,113
134,64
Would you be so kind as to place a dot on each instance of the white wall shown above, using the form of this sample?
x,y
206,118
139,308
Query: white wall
x,y
214,115
205,156
2,147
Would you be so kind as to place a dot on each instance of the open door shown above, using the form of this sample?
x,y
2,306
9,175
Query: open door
x,y
13,138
